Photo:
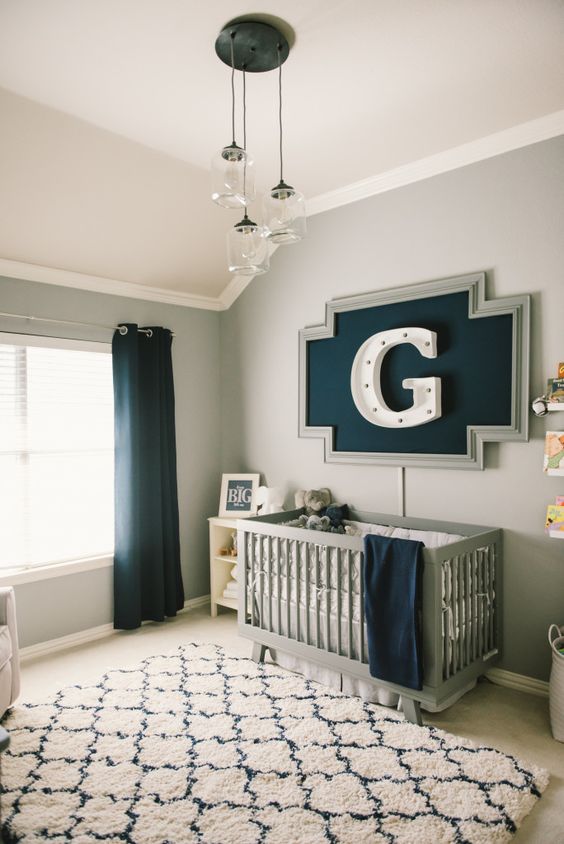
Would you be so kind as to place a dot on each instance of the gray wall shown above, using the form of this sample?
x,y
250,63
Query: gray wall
x,y
57,607
505,216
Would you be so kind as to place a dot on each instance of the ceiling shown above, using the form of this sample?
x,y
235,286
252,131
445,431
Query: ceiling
x,y
112,109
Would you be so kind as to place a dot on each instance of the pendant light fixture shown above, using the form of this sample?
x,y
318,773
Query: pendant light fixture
x,y
255,47
233,167
248,252
283,206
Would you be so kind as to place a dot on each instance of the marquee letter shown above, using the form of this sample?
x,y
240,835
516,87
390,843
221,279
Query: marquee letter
x,y
365,380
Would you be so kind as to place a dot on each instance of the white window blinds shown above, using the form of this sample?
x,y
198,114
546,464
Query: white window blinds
x,y
56,451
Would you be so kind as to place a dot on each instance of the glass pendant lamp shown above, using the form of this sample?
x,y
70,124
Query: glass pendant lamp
x,y
229,177
283,206
248,252
247,248
232,167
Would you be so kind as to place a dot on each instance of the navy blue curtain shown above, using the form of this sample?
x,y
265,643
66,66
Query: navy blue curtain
x,y
147,576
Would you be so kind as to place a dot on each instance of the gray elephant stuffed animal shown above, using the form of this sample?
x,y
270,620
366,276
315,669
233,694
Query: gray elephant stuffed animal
x,y
314,500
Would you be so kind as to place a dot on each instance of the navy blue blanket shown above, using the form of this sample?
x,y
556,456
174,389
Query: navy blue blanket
x,y
392,601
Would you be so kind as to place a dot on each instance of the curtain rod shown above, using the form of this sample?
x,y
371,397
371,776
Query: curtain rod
x,y
121,328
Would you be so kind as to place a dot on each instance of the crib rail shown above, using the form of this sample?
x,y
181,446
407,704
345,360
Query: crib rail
x,y
306,590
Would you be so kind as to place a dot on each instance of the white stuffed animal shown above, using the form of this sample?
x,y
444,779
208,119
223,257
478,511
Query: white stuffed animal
x,y
269,500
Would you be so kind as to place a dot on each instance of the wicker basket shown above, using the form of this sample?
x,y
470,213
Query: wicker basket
x,y
556,688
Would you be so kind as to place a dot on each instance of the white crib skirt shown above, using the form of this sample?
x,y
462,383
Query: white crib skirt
x,y
335,680
369,691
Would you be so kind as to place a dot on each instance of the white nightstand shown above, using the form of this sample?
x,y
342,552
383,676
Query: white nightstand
x,y
221,565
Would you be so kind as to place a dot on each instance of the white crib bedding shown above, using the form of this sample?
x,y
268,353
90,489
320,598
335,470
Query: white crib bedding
x,y
429,538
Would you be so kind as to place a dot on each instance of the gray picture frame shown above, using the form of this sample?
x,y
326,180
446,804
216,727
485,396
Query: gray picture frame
x,y
478,306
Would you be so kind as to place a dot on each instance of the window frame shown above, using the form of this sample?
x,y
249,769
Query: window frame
x,y
57,568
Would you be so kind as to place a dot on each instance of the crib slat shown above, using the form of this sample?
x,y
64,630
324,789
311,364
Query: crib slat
x,y
350,602
447,617
480,603
361,607
288,580
491,552
269,580
479,591
252,575
486,601
452,621
474,604
317,620
279,583
297,550
262,578
456,619
456,605
483,605
339,585
460,602
250,584
328,551
307,564
467,606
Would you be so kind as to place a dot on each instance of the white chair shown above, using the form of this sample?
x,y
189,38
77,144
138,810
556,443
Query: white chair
x,y
9,652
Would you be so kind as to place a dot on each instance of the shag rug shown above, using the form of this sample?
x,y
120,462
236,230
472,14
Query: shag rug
x,y
198,746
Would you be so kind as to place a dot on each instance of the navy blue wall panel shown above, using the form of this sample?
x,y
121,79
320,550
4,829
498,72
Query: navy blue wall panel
x,y
473,362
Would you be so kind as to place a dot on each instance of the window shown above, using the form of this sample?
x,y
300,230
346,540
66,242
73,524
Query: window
x,y
56,451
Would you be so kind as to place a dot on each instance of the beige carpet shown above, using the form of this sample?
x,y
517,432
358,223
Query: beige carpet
x,y
198,746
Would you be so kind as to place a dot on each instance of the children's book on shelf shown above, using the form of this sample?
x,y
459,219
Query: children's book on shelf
x,y
554,453
555,389
555,520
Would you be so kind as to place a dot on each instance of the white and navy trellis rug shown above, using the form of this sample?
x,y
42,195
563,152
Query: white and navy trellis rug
x,y
198,746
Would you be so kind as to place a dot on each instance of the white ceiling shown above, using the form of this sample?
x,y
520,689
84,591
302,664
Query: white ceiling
x,y
369,85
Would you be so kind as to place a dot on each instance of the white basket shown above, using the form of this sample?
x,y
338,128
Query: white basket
x,y
556,688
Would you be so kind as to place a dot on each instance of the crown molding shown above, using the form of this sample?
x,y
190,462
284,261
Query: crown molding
x,y
109,286
525,134
522,135
233,290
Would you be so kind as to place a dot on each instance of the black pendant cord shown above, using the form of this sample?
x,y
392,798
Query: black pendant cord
x,y
244,110
280,109
232,89
245,139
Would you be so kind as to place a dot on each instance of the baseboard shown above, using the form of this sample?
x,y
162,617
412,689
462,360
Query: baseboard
x,y
520,682
194,603
499,676
82,637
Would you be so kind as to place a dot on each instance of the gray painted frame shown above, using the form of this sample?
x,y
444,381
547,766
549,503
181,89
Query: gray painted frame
x,y
478,307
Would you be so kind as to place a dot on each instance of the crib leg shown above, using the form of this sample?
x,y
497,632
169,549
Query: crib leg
x,y
259,652
412,710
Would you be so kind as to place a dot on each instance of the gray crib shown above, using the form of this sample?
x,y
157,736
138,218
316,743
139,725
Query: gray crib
x,y
301,591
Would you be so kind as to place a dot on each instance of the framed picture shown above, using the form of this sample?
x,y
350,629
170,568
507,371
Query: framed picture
x,y
238,496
